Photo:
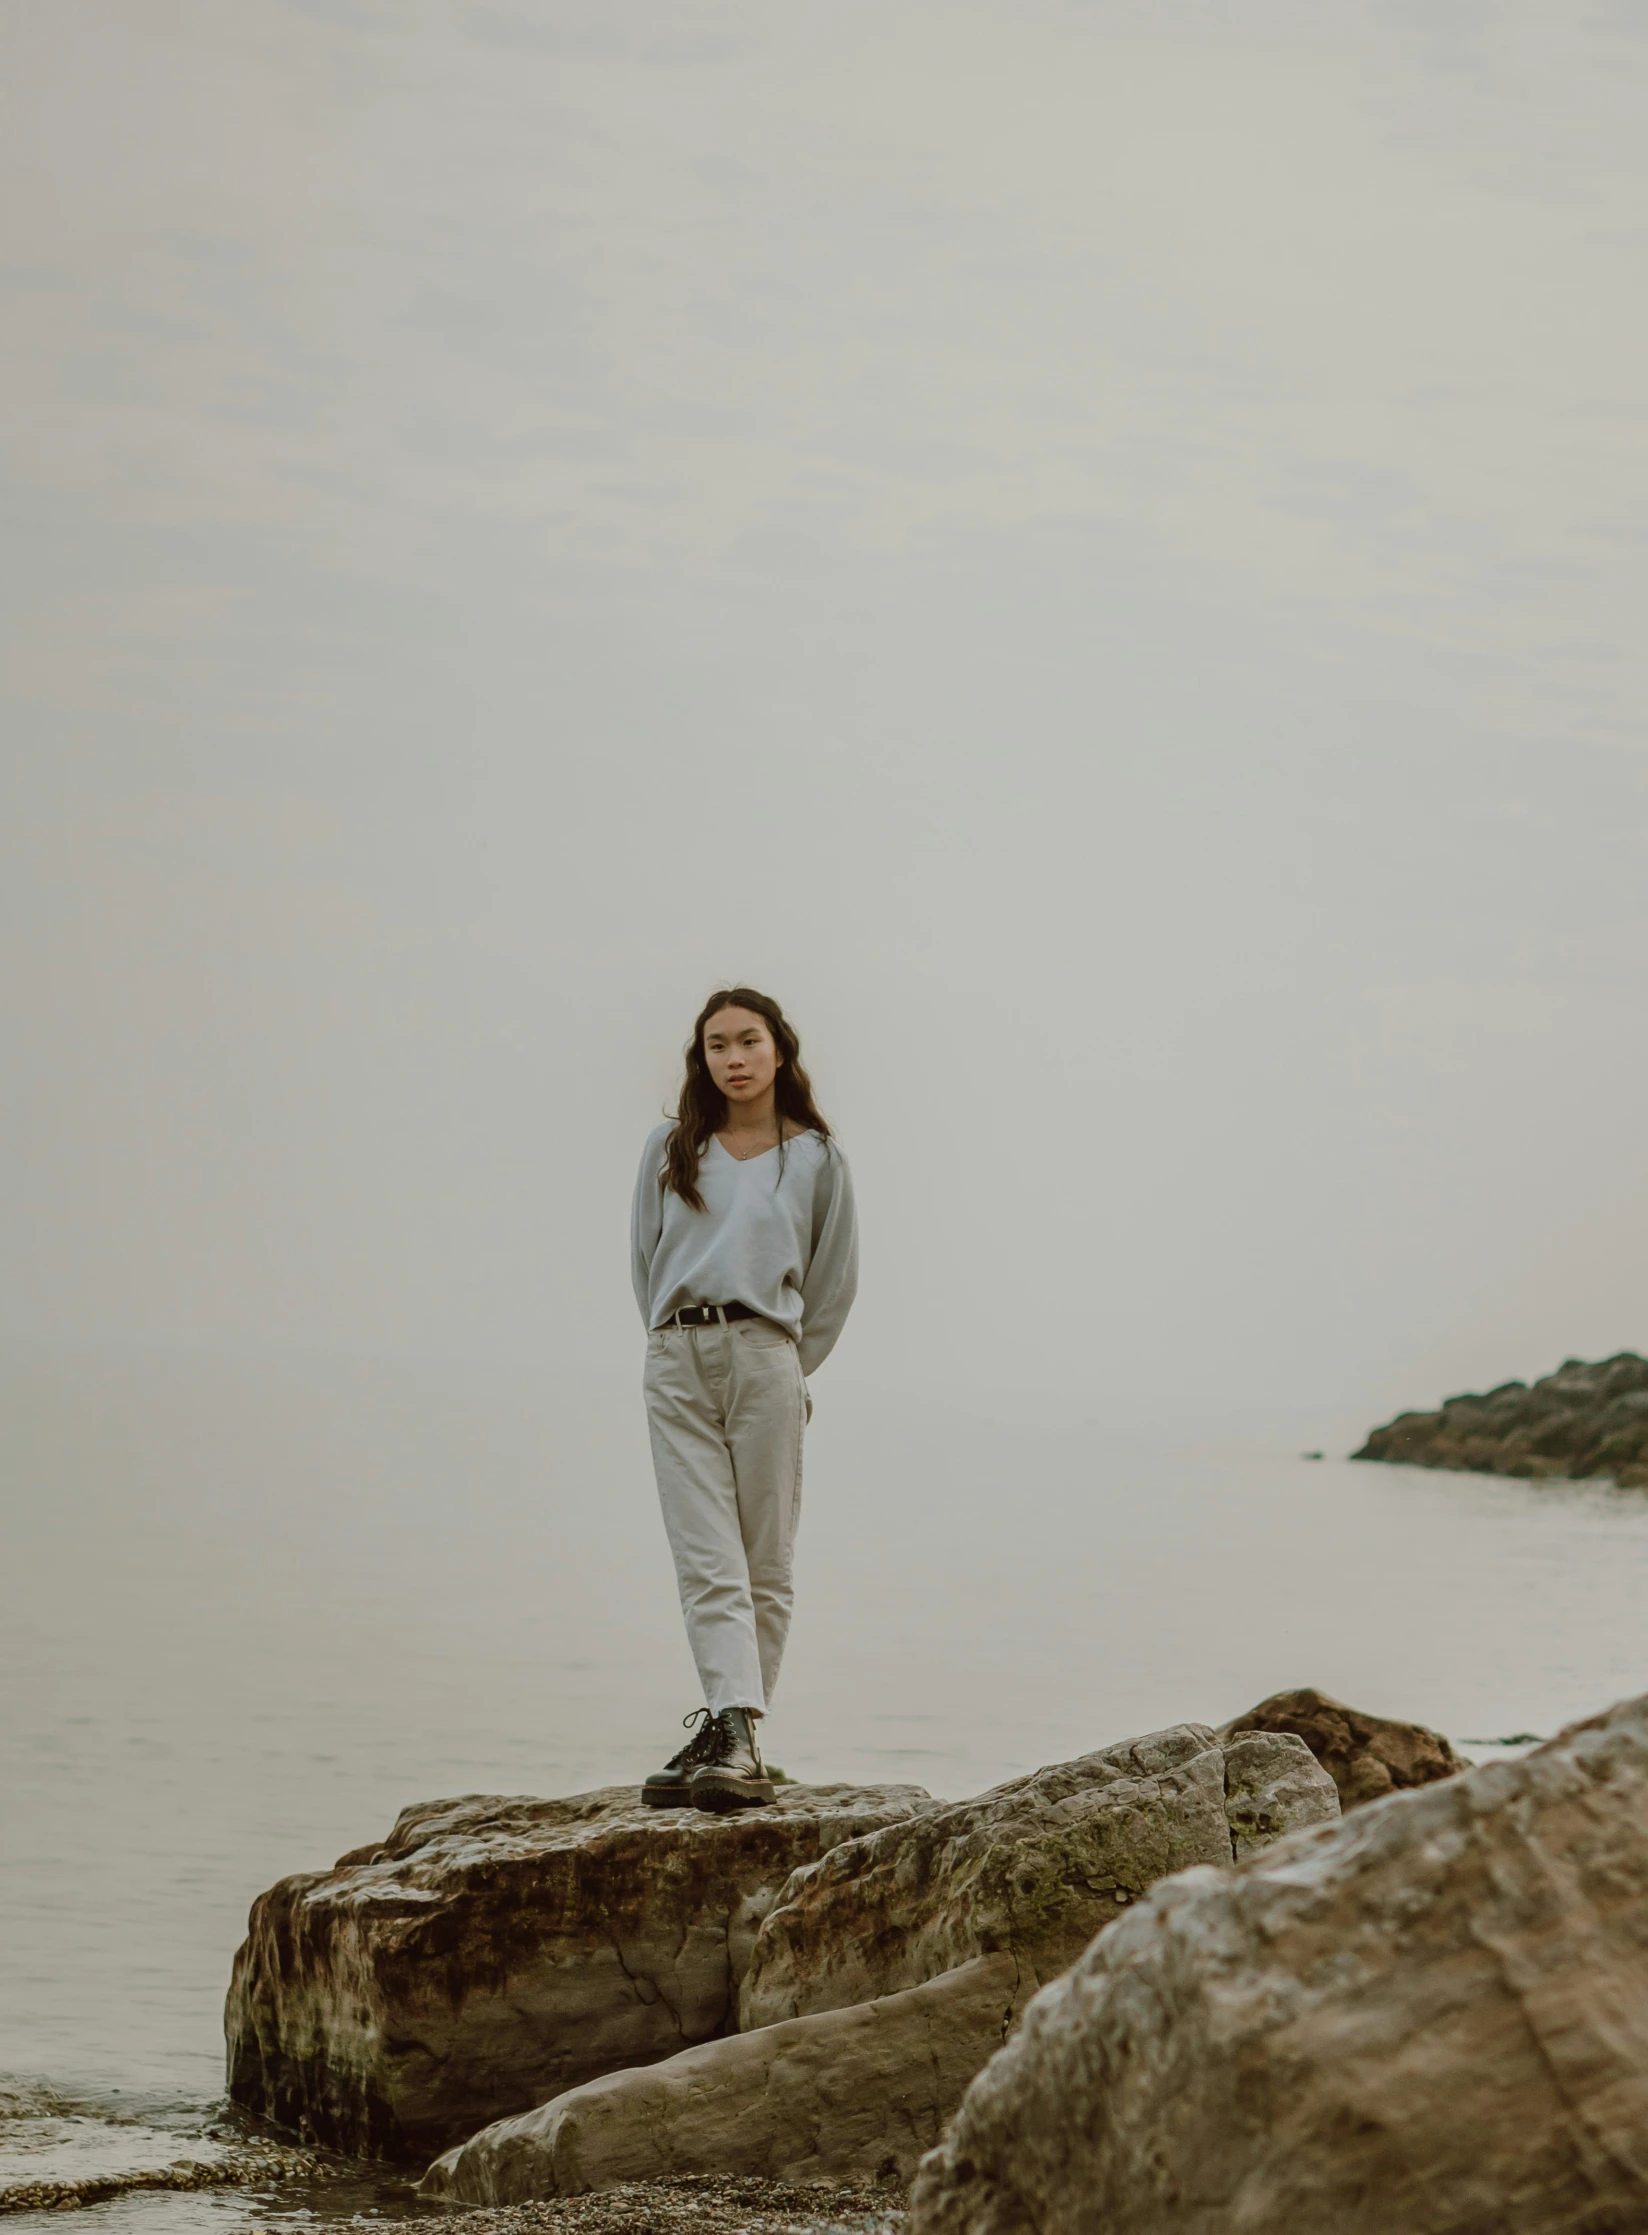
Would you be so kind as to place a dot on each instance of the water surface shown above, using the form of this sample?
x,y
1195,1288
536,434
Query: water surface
x,y
247,1616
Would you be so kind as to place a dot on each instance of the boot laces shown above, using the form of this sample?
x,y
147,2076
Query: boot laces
x,y
725,1739
698,1748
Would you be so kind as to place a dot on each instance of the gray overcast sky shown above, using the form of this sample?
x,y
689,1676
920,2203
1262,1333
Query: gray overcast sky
x,y
1097,551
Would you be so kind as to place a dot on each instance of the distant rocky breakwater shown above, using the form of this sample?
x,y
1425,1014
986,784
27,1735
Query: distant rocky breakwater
x,y
1580,1423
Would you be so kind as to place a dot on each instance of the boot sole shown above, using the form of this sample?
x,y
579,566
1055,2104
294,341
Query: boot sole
x,y
666,1796
724,1796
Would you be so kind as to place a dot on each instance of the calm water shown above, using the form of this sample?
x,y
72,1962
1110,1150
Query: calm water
x,y
245,1618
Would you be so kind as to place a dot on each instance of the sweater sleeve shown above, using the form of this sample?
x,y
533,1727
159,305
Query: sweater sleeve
x,y
646,1223
831,1280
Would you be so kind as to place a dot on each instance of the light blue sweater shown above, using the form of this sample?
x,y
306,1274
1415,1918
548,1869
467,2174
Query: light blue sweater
x,y
784,1243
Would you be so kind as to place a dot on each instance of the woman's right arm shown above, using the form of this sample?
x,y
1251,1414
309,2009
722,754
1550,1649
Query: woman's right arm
x,y
646,1223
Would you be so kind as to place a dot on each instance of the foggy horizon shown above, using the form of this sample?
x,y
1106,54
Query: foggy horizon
x,y
1097,554
1097,559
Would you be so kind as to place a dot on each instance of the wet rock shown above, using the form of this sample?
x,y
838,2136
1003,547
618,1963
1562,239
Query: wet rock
x,y
1580,1422
492,1953
1367,1756
862,2091
1430,2019
1032,1869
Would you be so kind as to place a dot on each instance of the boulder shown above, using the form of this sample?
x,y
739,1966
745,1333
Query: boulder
x,y
1032,1869
492,1953
1367,1756
1429,2019
851,2092
1270,1791
1578,1422
890,1971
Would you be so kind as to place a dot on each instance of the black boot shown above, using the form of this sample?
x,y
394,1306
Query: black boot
x,y
671,1786
732,1774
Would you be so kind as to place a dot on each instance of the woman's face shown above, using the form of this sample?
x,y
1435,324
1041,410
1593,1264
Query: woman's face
x,y
741,1056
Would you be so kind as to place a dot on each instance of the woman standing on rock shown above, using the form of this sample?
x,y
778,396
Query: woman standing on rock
x,y
745,1256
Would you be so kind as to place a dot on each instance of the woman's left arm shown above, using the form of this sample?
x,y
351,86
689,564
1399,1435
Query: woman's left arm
x,y
831,1280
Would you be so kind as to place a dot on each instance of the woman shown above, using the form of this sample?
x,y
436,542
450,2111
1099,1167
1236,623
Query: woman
x,y
745,1257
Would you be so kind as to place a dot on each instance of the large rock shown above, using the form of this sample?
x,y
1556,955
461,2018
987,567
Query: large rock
x,y
1032,1869
1367,1756
493,1953
851,2092
1431,2019
1580,1421
955,1916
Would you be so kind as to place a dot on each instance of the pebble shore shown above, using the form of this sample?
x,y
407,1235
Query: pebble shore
x,y
707,2204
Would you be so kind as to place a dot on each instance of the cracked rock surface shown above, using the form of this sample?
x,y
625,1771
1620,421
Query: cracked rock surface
x,y
1032,1869
1428,2019
491,1953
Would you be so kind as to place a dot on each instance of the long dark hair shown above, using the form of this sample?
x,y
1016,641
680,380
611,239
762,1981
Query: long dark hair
x,y
701,1110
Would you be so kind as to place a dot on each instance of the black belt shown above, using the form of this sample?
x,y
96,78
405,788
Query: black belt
x,y
709,1315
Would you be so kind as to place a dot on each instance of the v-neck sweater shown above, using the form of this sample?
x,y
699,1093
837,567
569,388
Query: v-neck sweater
x,y
777,1233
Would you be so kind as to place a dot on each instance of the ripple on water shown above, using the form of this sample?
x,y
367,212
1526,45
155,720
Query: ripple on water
x,y
57,2154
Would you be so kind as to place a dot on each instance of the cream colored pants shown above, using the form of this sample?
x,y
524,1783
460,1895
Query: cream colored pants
x,y
727,1408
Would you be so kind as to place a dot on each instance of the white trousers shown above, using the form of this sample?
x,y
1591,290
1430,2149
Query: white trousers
x,y
727,1408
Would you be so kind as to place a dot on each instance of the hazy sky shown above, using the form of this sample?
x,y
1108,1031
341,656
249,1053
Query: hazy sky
x,y
1095,550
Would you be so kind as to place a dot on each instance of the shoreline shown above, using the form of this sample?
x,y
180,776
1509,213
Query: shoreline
x,y
692,2204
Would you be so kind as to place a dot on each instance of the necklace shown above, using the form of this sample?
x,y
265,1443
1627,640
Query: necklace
x,y
743,1156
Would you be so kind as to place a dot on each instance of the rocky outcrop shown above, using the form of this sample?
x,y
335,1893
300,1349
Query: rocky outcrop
x,y
1367,1756
892,1970
860,2092
1032,1869
1430,2019
492,1953
1578,1422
